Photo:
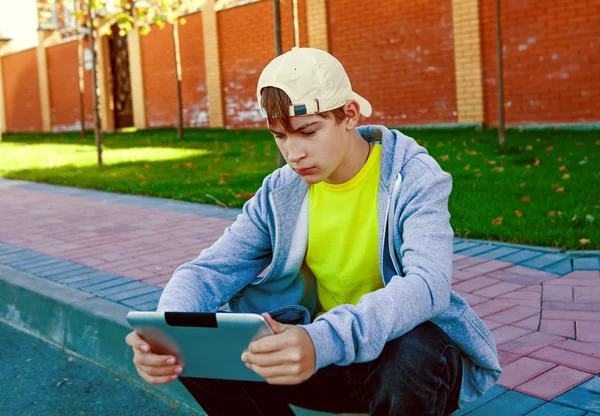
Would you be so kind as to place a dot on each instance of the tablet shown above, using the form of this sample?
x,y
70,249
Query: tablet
x,y
207,345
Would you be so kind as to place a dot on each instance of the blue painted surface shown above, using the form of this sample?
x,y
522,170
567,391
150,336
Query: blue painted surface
x,y
498,252
116,297
580,399
521,256
511,403
561,268
95,288
477,250
491,394
543,261
592,385
553,409
586,263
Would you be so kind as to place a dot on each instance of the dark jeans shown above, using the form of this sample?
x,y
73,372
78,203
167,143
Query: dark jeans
x,y
417,374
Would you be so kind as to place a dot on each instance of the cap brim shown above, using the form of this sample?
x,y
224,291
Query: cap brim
x,y
365,106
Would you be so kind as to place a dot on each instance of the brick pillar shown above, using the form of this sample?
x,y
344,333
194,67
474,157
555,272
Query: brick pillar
x,y
212,65
316,17
45,37
105,96
137,79
467,61
5,47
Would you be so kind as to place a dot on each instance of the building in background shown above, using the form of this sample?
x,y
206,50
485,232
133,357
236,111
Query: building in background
x,y
418,63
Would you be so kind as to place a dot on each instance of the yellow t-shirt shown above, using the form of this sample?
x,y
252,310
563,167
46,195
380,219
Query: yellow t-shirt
x,y
342,236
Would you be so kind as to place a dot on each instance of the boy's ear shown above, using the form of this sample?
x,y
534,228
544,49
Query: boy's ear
x,y
352,111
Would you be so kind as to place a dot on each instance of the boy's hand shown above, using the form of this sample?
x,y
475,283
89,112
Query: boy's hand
x,y
287,357
153,368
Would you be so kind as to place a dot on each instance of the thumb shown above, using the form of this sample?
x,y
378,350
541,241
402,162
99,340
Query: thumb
x,y
277,327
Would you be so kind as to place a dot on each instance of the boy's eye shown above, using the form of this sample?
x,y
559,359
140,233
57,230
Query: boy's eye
x,y
308,133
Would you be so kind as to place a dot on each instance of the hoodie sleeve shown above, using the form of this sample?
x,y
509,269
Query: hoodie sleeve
x,y
229,265
349,333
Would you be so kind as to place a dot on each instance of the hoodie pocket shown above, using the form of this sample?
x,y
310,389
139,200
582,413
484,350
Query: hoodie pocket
x,y
292,314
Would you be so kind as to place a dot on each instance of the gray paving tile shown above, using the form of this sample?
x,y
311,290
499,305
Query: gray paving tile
x,y
477,250
520,256
121,296
122,288
96,287
148,306
139,300
498,252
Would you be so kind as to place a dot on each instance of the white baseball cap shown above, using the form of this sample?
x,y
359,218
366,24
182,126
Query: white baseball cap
x,y
314,80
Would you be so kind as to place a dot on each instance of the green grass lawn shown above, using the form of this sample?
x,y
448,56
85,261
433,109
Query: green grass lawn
x,y
542,189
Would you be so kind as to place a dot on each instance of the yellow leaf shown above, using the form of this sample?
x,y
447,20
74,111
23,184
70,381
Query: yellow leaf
x,y
562,168
478,174
529,147
490,162
189,165
458,157
527,166
498,169
559,159
471,152
467,167
444,157
497,220
560,189
522,185
440,144
536,162
519,213
552,213
525,199
566,176
554,186
584,241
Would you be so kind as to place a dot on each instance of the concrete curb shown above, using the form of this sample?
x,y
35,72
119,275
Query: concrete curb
x,y
81,324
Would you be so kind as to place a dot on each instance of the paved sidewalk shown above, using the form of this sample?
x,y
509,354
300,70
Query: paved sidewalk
x,y
542,305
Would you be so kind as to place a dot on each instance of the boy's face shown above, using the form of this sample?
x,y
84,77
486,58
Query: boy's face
x,y
316,147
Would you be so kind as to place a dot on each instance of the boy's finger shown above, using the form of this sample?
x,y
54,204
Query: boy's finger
x,y
269,343
153,360
134,340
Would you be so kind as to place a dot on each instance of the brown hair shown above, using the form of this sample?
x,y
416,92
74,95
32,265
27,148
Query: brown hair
x,y
276,103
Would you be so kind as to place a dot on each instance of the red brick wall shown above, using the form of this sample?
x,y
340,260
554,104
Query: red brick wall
x,y
63,84
551,61
399,56
247,45
158,69
21,91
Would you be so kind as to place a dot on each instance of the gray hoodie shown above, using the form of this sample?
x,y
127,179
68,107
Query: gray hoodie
x,y
258,266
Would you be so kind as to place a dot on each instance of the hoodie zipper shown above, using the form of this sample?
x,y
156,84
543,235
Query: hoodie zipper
x,y
388,229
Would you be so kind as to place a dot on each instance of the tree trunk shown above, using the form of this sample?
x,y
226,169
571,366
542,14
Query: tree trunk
x,y
501,127
178,76
277,18
97,132
81,76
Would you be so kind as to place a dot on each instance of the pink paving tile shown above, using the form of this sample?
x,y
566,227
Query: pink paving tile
x,y
515,314
490,266
497,289
553,382
558,327
522,370
508,333
138,274
569,359
529,343
571,315
537,288
583,274
471,298
491,324
476,283
522,295
574,282
572,306
157,280
458,257
493,306
518,278
558,293
587,294
460,275
532,323
506,358
526,271
468,262
589,348
588,331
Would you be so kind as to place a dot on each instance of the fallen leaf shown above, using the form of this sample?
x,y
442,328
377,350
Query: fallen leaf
x,y
549,149
490,162
536,162
597,142
527,166
497,220
566,176
474,186
467,167
478,174
147,166
458,157
552,213
525,199
471,152
555,186
498,169
584,241
560,189
245,195
580,144
519,213
528,147
563,168
444,157
440,144
189,165
522,185
559,159
188,182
